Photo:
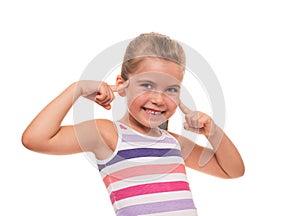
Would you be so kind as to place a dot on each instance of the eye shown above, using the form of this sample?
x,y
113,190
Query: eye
x,y
172,90
147,85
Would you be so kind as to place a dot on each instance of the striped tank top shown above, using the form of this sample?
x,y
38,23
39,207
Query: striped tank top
x,y
146,176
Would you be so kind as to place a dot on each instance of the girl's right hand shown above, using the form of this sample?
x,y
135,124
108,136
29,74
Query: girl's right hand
x,y
99,92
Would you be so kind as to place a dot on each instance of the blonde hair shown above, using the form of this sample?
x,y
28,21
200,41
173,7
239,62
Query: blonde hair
x,y
151,45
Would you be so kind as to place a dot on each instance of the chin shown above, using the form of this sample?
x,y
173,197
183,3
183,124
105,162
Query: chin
x,y
154,124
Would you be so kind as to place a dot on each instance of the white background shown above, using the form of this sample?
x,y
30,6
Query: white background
x,y
252,46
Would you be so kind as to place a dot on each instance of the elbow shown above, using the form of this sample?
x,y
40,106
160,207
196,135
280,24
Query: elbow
x,y
26,140
240,172
29,141
237,175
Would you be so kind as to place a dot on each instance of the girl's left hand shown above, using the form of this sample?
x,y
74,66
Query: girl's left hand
x,y
197,122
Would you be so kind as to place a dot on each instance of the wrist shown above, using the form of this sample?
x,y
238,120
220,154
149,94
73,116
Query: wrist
x,y
76,89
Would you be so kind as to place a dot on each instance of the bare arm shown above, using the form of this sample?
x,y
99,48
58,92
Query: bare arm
x,y
226,154
223,160
45,133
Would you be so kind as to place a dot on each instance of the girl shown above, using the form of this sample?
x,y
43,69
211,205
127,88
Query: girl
x,y
142,165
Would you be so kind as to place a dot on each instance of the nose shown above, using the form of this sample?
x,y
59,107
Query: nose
x,y
157,98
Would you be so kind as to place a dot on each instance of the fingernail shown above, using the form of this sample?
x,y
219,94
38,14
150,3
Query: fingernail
x,y
185,126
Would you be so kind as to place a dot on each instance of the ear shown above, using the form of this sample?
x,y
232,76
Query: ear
x,y
119,83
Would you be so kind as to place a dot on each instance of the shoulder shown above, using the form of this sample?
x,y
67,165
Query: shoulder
x,y
180,139
104,123
108,133
187,145
176,136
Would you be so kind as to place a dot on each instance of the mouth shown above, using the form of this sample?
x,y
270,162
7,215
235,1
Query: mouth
x,y
153,112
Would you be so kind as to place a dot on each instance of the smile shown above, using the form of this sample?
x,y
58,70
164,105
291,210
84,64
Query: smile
x,y
152,111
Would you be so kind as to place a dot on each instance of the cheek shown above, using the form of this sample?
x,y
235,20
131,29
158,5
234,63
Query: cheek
x,y
132,95
172,103
173,99
135,101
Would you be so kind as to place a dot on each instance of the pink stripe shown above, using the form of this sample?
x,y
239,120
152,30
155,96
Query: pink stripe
x,y
143,170
148,189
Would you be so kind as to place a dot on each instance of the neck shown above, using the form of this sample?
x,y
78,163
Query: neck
x,y
134,124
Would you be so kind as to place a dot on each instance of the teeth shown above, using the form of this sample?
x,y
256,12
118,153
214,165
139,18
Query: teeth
x,y
153,112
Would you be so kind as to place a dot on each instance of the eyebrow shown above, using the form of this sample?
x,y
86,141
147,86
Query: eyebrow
x,y
175,86
148,81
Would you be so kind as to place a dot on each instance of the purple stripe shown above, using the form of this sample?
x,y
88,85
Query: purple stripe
x,y
141,152
138,138
157,207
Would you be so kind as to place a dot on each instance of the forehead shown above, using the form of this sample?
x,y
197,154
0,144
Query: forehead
x,y
158,68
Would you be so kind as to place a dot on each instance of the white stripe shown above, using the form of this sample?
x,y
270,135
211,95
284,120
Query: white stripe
x,y
149,198
146,179
141,161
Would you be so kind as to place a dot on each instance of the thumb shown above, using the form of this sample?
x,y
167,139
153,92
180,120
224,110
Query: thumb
x,y
114,88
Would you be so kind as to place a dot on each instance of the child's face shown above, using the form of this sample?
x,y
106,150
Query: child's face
x,y
153,92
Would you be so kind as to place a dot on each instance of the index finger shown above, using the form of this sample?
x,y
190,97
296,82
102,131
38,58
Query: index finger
x,y
184,108
116,88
